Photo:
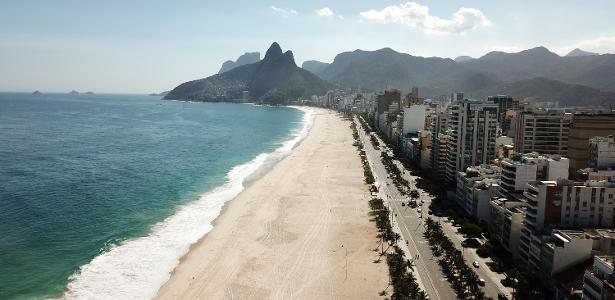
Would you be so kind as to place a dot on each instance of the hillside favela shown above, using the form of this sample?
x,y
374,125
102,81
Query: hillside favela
x,y
307,150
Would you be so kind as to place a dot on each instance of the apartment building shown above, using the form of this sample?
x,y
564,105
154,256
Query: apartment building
x,y
599,281
586,126
564,248
566,204
475,189
523,168
439,144
601,152
506,222
542,131
504,103
472,126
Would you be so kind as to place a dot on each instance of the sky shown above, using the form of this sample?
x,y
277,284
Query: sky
x,y
139,46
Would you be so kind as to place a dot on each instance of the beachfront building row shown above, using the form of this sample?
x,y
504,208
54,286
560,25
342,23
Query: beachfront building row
x,y
518,185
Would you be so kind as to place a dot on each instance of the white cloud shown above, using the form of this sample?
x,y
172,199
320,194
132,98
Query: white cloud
x,y
417,16
283,11
601,44
325,12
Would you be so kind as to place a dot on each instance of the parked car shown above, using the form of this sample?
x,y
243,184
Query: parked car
x,y
481,282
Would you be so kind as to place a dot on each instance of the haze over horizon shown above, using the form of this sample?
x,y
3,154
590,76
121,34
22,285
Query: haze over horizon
x,y
152,46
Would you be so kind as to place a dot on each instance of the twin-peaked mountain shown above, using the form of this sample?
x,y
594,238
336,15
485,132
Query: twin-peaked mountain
x,y
275,79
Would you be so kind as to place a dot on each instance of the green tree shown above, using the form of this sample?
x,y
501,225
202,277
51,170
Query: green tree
x,y
471,230
414,194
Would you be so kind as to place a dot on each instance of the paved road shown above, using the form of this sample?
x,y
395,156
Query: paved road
x,y
426,267
411,226
493,286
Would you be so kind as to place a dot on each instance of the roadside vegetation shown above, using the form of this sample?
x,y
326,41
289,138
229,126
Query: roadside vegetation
x,y
401,277
526,284
464,280
400,182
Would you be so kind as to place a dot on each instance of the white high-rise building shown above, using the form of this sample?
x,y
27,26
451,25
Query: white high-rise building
x,y
472,126
413,119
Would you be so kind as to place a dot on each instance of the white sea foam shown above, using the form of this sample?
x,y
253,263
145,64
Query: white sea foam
x,y
136,268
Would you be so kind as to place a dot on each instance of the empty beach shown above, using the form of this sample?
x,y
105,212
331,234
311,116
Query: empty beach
x,y
301,231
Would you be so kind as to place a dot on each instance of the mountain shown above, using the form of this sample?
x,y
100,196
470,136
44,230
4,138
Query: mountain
x,y
314,66
274,80
578,52
377,70
514,66
596,71
246,58
463,58
544,89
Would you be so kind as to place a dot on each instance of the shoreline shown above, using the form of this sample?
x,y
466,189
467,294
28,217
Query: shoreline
x,y
247,183
226,255
154,255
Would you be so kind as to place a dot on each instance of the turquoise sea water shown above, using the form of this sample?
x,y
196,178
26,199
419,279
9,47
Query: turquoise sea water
x,y
82,174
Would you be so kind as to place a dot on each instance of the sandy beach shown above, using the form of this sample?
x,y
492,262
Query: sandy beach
x,y
301,231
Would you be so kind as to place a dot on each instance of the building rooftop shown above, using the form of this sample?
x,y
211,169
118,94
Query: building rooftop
x,y
596,139
568,235
533,158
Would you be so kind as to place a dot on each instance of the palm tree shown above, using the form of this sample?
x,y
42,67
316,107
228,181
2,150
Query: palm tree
x,y
414,194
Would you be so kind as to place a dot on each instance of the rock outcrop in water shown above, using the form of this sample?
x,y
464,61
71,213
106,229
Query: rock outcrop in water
x,y
274,80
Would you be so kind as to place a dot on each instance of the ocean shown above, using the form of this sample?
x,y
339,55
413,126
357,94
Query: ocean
x,y
100,195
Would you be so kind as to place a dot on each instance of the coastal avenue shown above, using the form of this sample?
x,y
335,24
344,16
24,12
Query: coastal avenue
x,y
408,220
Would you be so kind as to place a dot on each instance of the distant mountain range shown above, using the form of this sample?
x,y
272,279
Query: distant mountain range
x,y
549,90
597,71
314,66
583,76
274,80
377,70
579,78
579,52
463,58
245,59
